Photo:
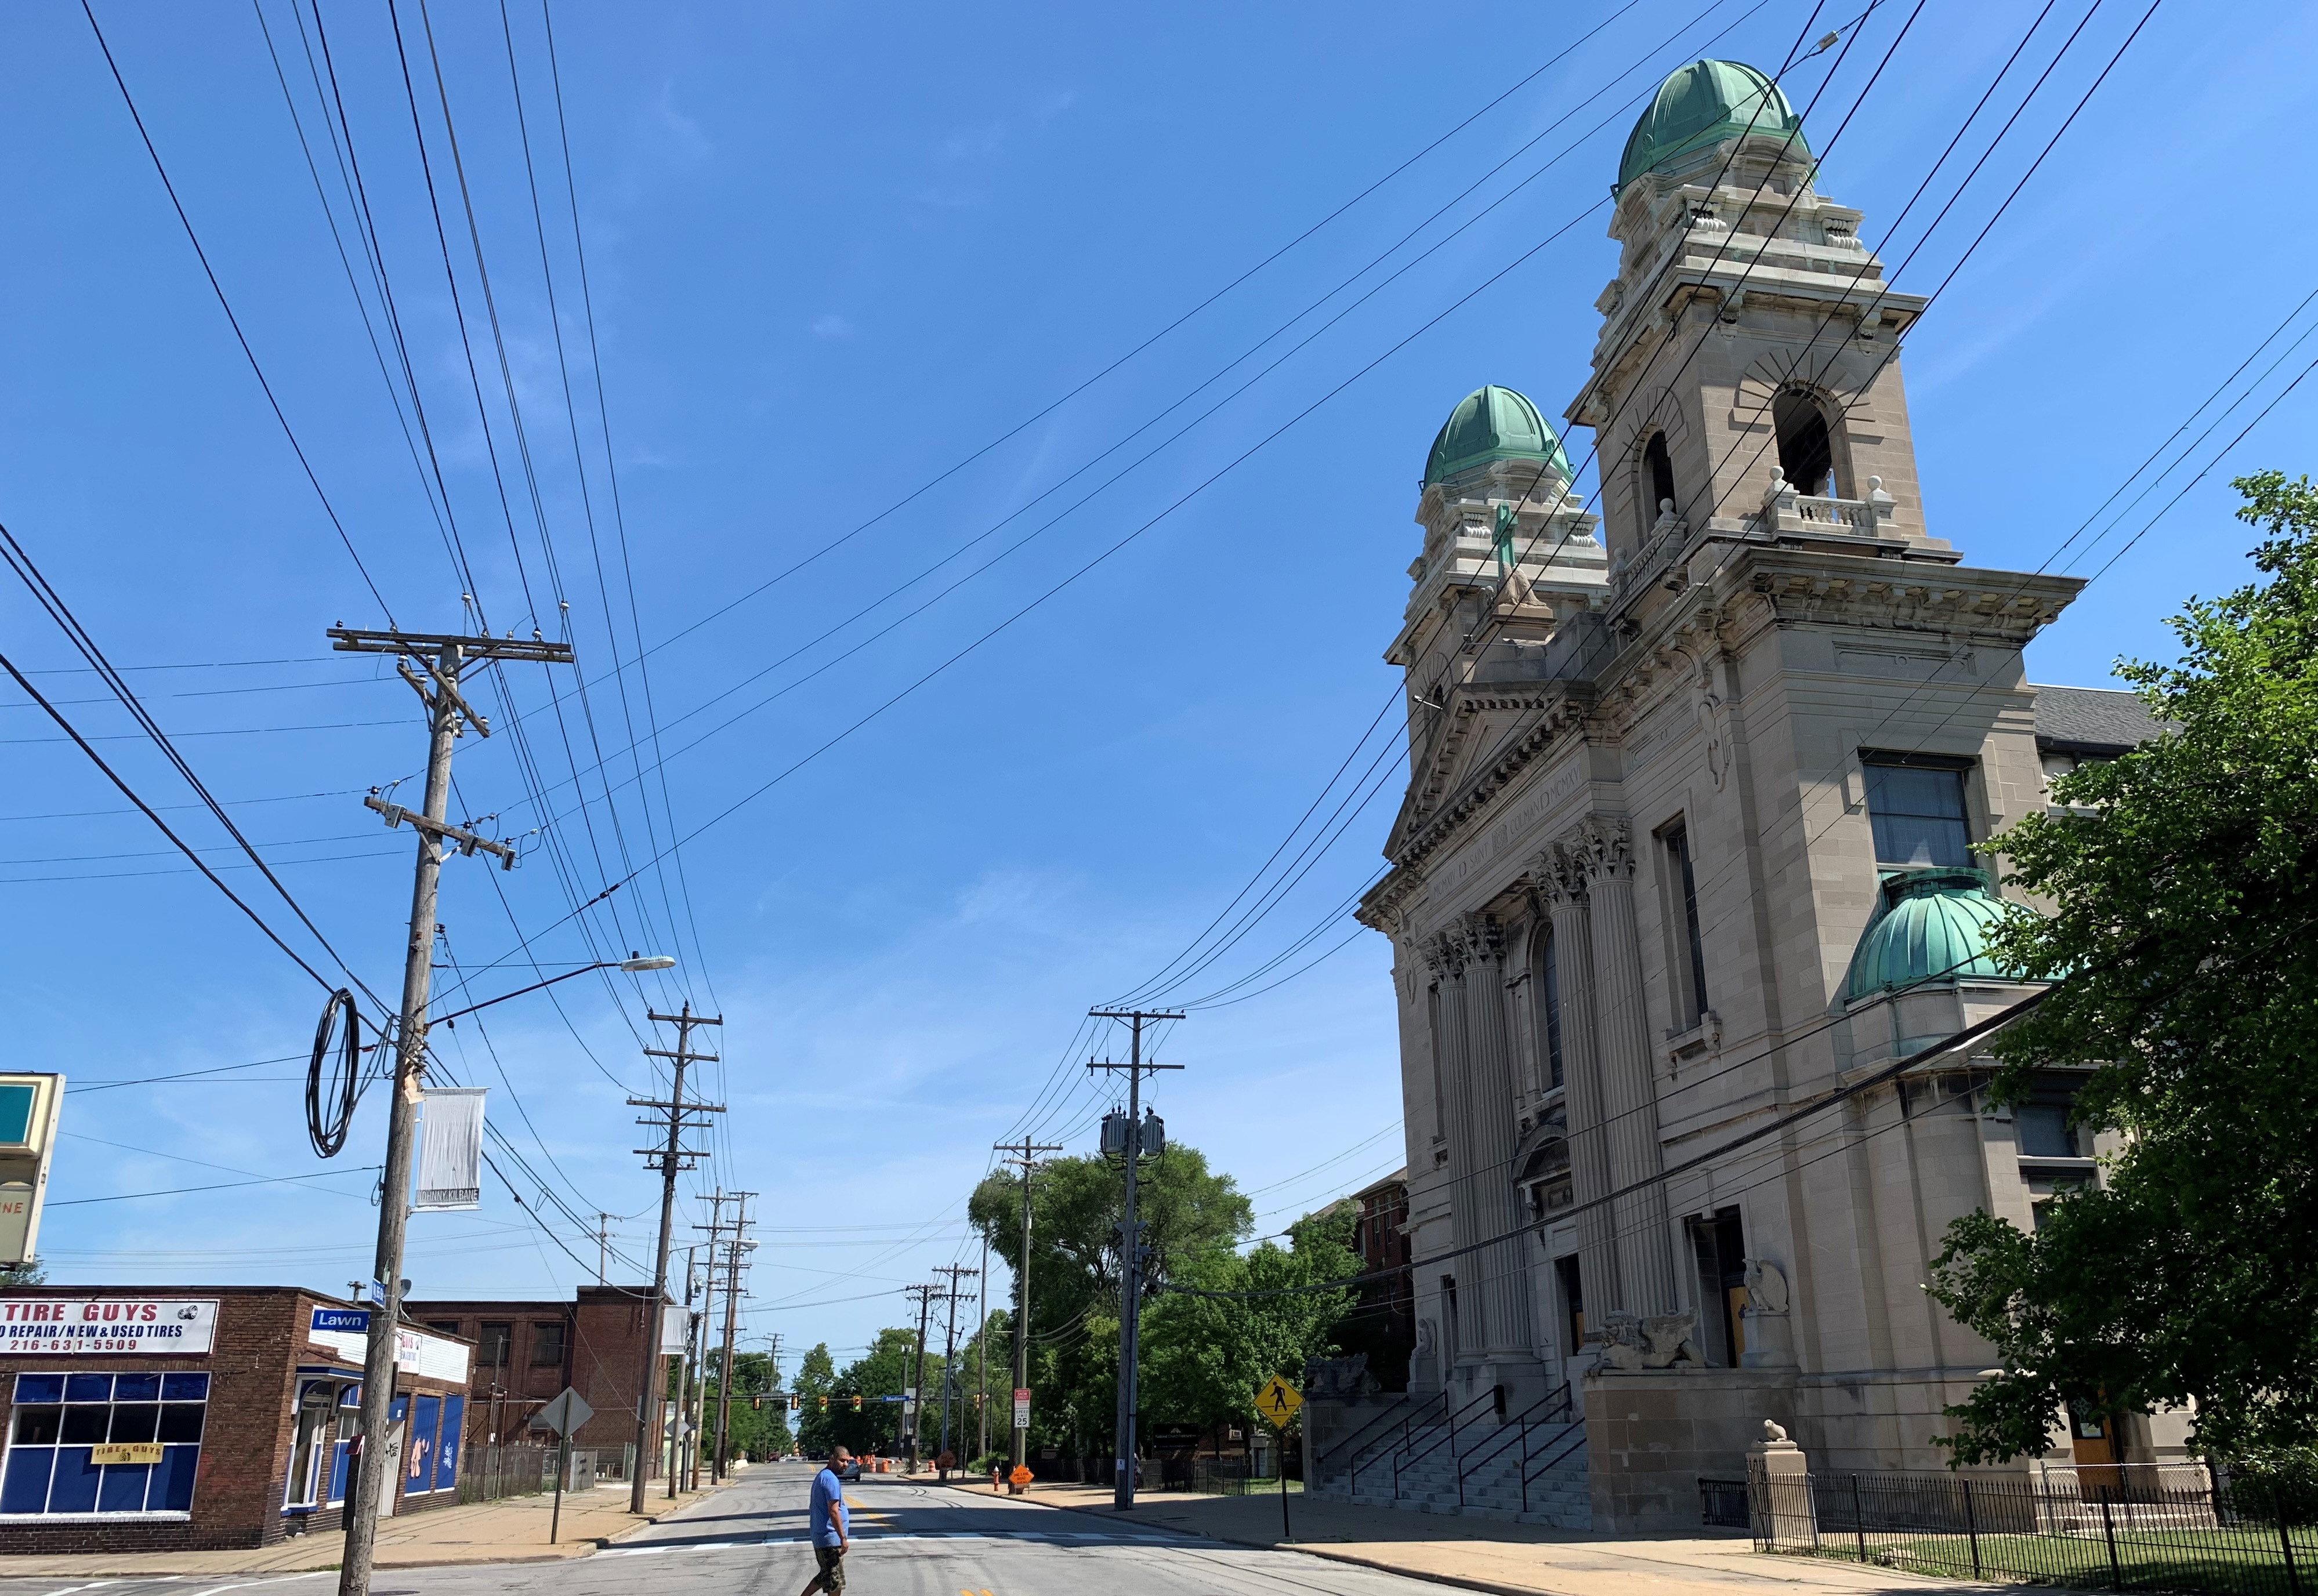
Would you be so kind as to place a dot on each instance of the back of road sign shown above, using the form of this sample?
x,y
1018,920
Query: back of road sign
x,y
564,1414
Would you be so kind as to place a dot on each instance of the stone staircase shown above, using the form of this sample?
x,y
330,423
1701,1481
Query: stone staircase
x,y
1491,1464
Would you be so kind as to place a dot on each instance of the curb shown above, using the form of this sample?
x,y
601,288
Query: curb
x,y
1455,1580
580,1547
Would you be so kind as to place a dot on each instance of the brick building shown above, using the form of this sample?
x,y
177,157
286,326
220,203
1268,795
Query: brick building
x,y
207,1416
525,1352
1384,1324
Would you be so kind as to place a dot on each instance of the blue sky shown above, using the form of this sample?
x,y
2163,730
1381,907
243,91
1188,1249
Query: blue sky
x,y
832,253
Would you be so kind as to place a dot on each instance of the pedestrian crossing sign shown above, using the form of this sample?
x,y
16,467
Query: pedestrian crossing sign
x,y
1276,1402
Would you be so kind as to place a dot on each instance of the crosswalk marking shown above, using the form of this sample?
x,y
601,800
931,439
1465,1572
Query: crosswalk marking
x,y
1035,1537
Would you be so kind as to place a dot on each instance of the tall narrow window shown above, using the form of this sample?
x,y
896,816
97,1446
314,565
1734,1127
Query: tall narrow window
x,y
1657,476
1547,974
1915,807
1719,1246
1690,951
547,1346
1573,1302
1440,1090
1806,453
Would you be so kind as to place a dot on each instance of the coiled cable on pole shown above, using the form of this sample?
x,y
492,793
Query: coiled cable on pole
x,y
330,1104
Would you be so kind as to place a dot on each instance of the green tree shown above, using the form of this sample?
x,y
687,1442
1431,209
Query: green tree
x,y
1188,1213
886,1369
2183,885
816,1378
751,1430
1205,1356
24,1274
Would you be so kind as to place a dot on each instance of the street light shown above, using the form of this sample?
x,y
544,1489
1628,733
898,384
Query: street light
x,y
632,964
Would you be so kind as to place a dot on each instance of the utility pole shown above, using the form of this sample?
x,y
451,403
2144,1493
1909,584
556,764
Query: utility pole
x,y
716,1229
950,1295
733,1250
603,1244
914,1408
1131,1140
680,1432
1027,1155
982,1354
675,1158
441,657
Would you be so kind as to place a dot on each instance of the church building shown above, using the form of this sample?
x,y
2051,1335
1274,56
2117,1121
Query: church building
x,y
1687,848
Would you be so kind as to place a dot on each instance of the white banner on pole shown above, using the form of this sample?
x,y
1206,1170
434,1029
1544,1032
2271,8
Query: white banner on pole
x,y
450,1150
675,1325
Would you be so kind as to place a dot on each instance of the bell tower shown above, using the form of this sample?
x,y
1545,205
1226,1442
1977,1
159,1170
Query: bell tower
x,y
1746,379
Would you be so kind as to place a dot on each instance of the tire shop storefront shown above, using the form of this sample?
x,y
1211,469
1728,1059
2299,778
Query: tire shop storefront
x,y
194,1418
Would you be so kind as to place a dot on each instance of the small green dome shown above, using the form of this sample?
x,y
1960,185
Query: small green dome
x,y
1701,105
1493,424
1934,925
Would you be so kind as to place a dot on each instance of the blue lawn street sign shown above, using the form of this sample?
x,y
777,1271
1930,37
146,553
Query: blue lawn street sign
x,y
355,1320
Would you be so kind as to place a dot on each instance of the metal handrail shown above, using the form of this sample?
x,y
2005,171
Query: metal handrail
x,y
1368,1452
1557,1401
1494,1395
1400,1448
1545,1465
1350,1447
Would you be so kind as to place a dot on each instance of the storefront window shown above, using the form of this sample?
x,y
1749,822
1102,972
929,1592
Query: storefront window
x,y
103,1443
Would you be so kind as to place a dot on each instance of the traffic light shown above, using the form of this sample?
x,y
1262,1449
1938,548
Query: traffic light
x,y
857,1405
793,1402
758,1403
824,1404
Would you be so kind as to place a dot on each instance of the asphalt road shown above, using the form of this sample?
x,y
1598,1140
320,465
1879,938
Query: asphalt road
x,y
912,1540
909,1541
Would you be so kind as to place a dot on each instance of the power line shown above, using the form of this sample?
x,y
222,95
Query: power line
x,y
231,319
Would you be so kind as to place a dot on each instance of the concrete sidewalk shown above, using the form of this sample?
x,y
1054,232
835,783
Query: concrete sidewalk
x,y
514,1530
1512,1559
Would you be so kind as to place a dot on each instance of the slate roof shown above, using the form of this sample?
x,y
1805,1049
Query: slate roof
x,y
2092,720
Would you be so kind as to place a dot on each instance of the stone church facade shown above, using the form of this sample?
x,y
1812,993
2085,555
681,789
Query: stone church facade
x,y
1686,850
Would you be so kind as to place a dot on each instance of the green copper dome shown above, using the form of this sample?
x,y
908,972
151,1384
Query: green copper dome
x,y
1934,925
1701,105
1493,424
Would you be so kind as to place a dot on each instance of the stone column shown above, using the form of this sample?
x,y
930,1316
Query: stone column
x,y
1560,875
1628,1088
1446,955
1501,1317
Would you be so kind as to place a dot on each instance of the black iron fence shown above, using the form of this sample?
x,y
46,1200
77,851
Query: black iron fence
x,y
1723,1504
1220,1476
2182,1530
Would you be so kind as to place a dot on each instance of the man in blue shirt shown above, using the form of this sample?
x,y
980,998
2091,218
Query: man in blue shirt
x,y
827,1521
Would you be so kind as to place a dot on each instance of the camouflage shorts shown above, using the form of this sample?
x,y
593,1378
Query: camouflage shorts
x,y
831,1561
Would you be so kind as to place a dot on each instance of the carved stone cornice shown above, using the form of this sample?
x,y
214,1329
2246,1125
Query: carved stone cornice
x,y
1544,715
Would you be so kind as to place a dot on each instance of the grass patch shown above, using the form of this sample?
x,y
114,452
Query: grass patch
x,y
2224,1562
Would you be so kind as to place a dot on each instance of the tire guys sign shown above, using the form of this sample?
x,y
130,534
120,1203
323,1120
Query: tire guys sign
x,y
171,1327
